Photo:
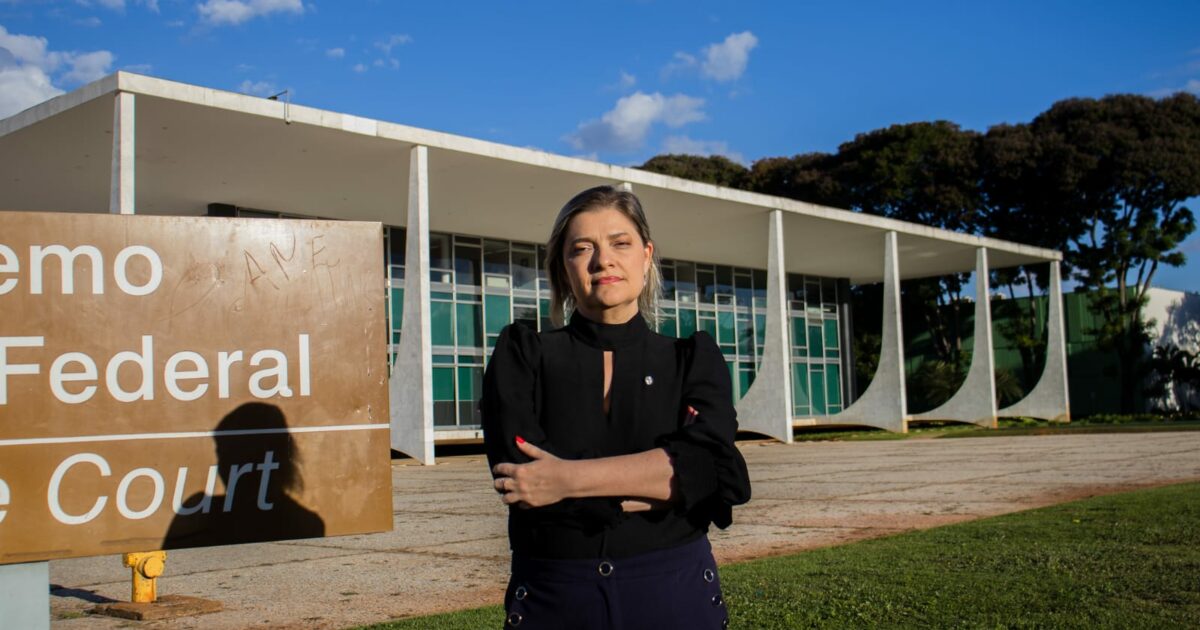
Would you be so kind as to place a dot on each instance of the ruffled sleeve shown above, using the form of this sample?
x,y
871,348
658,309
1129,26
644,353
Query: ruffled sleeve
x,y
509,407
710,473
509,404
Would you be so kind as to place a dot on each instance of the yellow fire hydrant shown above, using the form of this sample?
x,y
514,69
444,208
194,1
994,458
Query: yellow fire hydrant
x,y
147,566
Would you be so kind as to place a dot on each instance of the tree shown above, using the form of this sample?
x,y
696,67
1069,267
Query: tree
x,y
713,169
1131,161
807,177
923,173
1176,376
1024,198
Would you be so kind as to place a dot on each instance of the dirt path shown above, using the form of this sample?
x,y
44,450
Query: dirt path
x,y
448,549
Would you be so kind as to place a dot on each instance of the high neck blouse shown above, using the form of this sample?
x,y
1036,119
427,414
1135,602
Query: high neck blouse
x,y
549,389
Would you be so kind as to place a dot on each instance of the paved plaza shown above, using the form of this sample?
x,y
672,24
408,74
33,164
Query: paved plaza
x,y
448,549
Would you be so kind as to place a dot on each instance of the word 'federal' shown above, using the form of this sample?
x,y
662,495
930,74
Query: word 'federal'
x,y
74,377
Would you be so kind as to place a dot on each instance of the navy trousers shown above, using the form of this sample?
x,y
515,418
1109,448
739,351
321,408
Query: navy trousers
x,y
660,590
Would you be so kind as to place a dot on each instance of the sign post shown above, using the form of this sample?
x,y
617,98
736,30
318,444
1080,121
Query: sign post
x,y
170,382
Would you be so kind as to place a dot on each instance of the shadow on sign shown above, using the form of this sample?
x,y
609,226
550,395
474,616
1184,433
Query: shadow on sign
x,y
258,463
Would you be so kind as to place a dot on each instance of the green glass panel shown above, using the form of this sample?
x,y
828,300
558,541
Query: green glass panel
x,y
760,328
687,323
831,334
443,383
469,324
497,312
444,358
745,336
441,295
818,389
799,338
441,320
397,307
544,308
725,328
747,377
733,379
800,388
470,383
815,347
666,326
709,326
833,384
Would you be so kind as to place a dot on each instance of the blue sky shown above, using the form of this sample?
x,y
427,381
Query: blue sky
x,y
622,81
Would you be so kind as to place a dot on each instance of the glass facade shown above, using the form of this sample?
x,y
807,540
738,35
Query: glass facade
x,y
815,333
479,285
728,302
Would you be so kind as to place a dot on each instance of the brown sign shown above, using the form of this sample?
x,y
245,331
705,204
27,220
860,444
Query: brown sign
x,y
172,382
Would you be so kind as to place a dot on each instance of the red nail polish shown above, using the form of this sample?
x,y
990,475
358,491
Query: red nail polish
x,y
520,440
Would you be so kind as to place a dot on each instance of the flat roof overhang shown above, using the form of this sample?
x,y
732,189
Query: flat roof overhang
x,y
196,146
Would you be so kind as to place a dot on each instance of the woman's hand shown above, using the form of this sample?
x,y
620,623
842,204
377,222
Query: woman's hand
x,y
543,481
643,505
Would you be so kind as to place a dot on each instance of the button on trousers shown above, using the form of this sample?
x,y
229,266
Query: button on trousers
x,y
660,590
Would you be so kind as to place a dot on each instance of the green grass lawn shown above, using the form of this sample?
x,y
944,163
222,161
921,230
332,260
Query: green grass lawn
x,y
1122,561
1007,427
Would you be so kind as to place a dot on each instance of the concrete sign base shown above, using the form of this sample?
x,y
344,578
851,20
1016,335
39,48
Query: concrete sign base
x,y
25,595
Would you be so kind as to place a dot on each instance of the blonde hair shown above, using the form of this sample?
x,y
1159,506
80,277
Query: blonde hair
x,y
562,301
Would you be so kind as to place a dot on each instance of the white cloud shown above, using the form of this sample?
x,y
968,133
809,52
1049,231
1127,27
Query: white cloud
x,y
28,70
88,67
723,61
680,62
727,60
335,53
115,5
626,81
29,49
22,86
89,22
360,68
1192,87
386,45
258,88
119,5
624,128
237,11
691,146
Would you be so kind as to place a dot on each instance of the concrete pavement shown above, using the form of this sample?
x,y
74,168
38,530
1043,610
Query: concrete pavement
x,y
449,551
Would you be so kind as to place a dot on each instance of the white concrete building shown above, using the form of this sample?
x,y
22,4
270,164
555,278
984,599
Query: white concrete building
x,y
464,218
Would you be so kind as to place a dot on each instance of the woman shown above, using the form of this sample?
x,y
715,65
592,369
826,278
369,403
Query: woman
x,y
612,445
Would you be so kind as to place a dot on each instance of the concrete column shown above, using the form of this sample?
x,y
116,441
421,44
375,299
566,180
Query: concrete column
x,y
411,384
975,400
1049,399
883,404
121,199
25,595
767,406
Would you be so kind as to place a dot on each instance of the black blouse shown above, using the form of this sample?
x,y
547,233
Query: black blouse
x,y
549,389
